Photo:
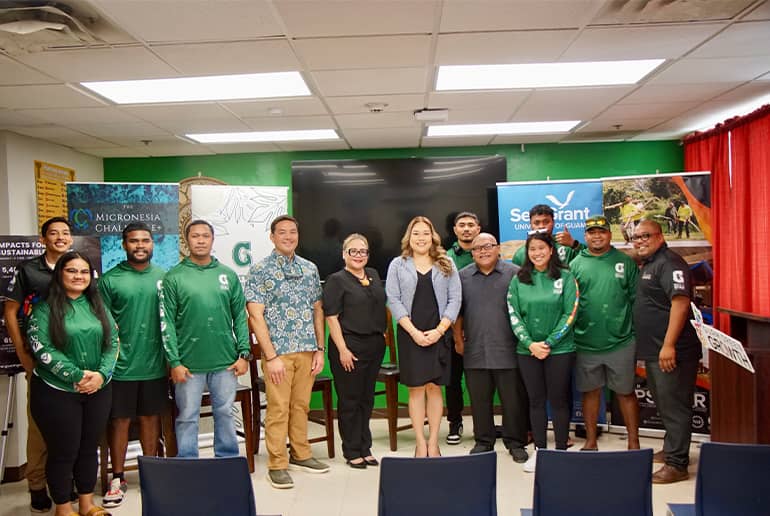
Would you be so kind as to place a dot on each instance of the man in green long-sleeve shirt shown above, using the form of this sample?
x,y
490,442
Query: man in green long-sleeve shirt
x,y
604,331
206,340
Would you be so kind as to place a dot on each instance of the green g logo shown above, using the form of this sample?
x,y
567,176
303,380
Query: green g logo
x,y
242,254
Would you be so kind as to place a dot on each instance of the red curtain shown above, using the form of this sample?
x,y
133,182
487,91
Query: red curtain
x,y
739,210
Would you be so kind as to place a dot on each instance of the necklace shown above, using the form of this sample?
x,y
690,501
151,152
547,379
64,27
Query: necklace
x,y
363,280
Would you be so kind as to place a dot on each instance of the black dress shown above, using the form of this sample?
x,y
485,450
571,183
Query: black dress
x,y
420,365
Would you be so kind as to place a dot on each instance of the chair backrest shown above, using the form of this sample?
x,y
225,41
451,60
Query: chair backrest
x,y
733,479
593,483
390,338
441,486
190,487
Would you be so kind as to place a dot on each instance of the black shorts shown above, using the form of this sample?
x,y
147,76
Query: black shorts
x,y
139,398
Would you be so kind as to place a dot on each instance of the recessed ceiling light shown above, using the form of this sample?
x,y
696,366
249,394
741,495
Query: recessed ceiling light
x,y
192,89
505,128
543,75
266,136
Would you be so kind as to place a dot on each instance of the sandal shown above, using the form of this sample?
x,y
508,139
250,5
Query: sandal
x,y
97,511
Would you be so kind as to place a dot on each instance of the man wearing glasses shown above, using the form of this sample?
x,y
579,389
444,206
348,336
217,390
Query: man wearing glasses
x,y
667,343
484,336
466,228
604,332
283,294
541,221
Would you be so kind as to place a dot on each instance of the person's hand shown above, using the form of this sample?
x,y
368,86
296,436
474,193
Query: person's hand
x,y
347,359
180,374
540,350
239,367
275,370
460,344
318,362
432,336
667,358
90,383
420,339
565,237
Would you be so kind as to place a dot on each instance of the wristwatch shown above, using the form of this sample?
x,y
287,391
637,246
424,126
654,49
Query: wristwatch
x,y
246,356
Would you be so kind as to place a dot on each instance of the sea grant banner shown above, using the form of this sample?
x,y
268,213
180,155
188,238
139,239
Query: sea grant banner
x,y
104,209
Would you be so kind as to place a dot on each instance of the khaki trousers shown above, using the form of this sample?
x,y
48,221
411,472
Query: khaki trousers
x,y
37,454
287,407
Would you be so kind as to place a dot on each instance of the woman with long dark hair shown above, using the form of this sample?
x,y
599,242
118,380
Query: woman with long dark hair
x,y
542,303
424,295
75,342
354,305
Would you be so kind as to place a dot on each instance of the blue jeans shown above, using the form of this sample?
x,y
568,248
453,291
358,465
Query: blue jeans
x,y
222,385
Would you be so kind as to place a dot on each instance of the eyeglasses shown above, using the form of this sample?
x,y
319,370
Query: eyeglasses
x,y
358,252
485,247
643,237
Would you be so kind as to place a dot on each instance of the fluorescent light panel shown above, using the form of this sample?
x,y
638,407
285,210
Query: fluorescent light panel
x,y
195,89
543,75
506,128
266,136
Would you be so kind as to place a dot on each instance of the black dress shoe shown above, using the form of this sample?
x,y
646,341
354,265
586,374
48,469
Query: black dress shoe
x,y
356,465
481,448
371,462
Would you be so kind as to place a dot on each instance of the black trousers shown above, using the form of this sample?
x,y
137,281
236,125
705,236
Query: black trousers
x,y
673,394
71,425
551,380
355,391
454,389
482,384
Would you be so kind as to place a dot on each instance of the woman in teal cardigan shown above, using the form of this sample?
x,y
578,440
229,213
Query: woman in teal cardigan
x,y
542,303
75,343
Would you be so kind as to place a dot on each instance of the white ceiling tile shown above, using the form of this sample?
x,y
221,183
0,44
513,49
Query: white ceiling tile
x,y
513,139
100,64
62,136
656,42
480,116
649,110
364,52
211,125
746,92
502,47
345,83
10,118
568,103
678,92
230,148
12,72
131,132
307,18
290,123
609,123
177,112
395,103
760,13
506,101
470,15
405,137
713,70
53,96
193,20
230,58
305,106
76,116
456,141
112,152
313,146
374,120
738,40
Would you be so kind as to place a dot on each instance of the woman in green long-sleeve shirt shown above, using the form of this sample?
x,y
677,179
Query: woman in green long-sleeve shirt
x,y
542,303
75,343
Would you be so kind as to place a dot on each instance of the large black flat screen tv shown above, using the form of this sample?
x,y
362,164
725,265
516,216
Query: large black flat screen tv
x,y
378,197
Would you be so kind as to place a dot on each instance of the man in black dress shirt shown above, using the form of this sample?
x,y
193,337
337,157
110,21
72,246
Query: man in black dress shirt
x,y
667,342
488,345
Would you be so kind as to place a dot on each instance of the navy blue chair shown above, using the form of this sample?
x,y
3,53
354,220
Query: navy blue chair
x,y
192,487
731,479
592,483
439,486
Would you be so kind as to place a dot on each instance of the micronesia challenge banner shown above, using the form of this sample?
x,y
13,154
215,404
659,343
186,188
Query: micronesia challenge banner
x,y
104,209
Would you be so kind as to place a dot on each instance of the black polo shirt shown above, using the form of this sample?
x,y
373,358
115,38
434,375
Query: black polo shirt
x,y
664,275
489,339
29,285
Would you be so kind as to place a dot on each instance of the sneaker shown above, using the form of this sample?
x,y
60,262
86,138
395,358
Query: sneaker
x,y
481,448
280,479
115,494
310,465
39,500
455,433
519,455
529,466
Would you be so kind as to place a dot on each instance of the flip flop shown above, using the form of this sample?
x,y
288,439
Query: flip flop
x,y
97,511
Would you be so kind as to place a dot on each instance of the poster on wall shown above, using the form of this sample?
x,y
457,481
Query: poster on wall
x,y
104,209
241,216
51,190
13,250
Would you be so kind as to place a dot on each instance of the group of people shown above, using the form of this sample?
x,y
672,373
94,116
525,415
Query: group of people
x,y
99,351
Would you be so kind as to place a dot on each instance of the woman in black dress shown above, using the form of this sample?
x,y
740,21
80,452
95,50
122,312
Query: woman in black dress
x,y
354,305
424,296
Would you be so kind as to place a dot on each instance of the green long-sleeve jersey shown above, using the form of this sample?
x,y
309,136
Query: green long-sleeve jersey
x,y
607,289
83,351
131,296
544,311
203,316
